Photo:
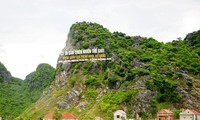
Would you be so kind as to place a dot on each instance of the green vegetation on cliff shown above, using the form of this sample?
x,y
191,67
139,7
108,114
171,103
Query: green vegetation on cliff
x,y
143,76
40,79
16,95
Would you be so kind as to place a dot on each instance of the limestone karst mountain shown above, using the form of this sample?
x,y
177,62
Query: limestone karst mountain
x,y
143,76
16,94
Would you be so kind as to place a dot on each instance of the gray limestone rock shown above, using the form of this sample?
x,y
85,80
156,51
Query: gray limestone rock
x,y
4,74
81,105
72,96
94,68
63,105
141,102
136,63
66,66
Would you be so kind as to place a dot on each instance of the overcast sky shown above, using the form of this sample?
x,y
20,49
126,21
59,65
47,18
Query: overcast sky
x,y
35,31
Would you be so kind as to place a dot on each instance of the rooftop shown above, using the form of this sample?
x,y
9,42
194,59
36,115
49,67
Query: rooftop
x,y
68,116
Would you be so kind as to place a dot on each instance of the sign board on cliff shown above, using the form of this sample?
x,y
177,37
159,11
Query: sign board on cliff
x,y
83,55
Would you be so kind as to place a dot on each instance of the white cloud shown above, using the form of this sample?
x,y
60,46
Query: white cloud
x,y
32,32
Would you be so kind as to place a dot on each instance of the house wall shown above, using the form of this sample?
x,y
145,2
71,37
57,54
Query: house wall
x,y
198,117
186,117
165,118
120,116
116,118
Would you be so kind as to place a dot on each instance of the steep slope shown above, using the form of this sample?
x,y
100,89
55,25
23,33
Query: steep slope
x,y
38,80
16,95
5,75
12,94
143,76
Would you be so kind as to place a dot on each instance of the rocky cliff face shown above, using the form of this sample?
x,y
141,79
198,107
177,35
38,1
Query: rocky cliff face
x,y
142,77
4,74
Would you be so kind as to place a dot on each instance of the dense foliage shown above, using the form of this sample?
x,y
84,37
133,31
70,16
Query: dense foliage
x,y
40,79
143,76
14,98
16,95
138,57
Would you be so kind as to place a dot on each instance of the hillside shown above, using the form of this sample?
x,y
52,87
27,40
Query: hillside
x,y
143,76
16,95
38,80
12,94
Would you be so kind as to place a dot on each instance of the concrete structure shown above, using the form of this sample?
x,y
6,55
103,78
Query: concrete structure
x,y
165,114
67,116
119,115
189,114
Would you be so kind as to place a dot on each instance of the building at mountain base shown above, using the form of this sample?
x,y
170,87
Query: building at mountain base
x,y
49,117
63,116
189,114
67,116
119,115
165,114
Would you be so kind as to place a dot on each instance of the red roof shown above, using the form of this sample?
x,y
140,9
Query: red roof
x,y
48,116
165,111
68,116
193,111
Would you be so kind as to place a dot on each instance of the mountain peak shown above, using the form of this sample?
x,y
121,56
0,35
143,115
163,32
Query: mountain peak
x,y
4,74
83,35
193,39
142,76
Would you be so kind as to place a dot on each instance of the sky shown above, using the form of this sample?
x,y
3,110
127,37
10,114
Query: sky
x,y
35,31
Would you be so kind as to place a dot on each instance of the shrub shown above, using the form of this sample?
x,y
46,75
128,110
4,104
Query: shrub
x,y
92,81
